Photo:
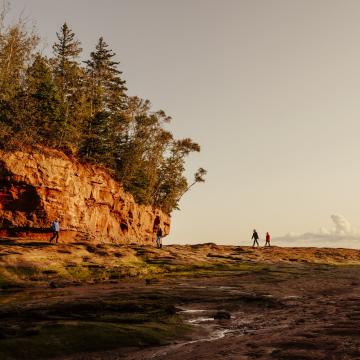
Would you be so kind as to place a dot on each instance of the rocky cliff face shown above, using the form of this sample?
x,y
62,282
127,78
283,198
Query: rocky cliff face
x,y
37,187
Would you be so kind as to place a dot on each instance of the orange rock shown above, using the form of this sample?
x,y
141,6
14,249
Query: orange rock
x,y
39,186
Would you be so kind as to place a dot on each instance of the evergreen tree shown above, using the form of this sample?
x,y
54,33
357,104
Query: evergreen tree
x,y
67,51
106,93
107,88
97,143
43,101
68,76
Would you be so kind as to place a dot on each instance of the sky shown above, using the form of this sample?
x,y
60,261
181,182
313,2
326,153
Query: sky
x,y
270,89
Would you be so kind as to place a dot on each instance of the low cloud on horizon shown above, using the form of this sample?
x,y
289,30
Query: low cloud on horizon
x,y
342,234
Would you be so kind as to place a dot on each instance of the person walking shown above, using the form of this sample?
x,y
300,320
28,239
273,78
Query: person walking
x,y
55,228
267,239
159,238
255,236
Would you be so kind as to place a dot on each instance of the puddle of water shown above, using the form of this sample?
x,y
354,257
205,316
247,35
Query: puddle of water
x,y
196,320
191,311
215,331
200,320
216,335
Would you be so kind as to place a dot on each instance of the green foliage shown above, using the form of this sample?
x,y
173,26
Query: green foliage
x,y
68,77
43,101
107,89
17,47
86,111
97,141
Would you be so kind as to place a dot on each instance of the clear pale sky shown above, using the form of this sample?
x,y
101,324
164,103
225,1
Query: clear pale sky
x,y
269,88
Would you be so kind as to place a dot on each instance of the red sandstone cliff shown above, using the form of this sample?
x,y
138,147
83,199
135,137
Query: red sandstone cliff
x,y
39,186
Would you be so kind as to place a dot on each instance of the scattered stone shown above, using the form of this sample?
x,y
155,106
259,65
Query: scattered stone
x,y
115,276
222,315
90,248
95,266
64,251
101,253
53,285
151,281
49,272
170,310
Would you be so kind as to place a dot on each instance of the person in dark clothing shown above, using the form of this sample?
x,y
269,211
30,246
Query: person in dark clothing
x,y
267,239
55,228
255,236
158,238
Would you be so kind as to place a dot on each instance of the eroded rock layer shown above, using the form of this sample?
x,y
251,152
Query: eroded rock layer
x,y
37,187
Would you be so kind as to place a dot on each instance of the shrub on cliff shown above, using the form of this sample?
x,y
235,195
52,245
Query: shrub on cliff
x,y
85,110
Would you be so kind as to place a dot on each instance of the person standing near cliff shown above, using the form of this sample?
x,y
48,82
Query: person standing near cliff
x,y
55,228
159,238
255,236
267,239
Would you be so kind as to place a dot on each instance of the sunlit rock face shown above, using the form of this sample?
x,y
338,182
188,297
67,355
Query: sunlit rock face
x,y
39,186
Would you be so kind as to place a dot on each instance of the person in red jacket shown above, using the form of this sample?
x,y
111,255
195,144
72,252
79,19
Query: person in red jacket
x,y
267,239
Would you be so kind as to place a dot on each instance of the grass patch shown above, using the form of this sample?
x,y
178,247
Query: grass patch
x,y
207,269
8,279
73,337
23,272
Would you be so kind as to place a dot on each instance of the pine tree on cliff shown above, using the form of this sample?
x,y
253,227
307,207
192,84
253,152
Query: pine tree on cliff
x,y
106,93
69,79
43,102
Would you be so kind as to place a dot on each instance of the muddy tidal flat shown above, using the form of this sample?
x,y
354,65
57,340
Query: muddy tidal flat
x,y
195,302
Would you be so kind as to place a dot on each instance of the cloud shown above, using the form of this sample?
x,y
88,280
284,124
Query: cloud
x,y
341,234
342,225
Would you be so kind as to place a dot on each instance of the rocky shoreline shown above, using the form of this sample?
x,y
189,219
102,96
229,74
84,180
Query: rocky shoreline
x,y
38,263
82,301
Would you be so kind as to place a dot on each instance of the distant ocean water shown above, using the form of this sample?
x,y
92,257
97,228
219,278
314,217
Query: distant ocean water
x,y
331,242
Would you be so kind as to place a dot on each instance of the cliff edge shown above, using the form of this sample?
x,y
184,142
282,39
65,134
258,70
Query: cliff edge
x,y
39,186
